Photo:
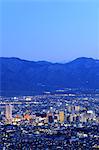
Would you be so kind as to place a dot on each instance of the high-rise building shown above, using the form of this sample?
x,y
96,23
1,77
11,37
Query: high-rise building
x,y
56,118
61,116
77,108
69,108
50,118
8,113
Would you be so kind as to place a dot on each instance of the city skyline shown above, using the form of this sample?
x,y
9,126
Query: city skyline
x,y
55,31
65,121
49,74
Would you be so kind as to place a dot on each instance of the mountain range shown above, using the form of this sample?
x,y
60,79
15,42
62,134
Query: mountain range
x,y
22,77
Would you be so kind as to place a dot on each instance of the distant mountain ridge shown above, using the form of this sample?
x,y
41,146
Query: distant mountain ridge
x,y
24,77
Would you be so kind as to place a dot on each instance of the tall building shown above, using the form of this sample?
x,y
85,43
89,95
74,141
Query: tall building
x,y
77,108
8,113
56,118
61,116
50,118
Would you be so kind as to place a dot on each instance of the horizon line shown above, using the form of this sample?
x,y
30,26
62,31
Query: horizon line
x,y
61,62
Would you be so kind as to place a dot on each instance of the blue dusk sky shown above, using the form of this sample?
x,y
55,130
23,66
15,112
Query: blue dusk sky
x,y
52,30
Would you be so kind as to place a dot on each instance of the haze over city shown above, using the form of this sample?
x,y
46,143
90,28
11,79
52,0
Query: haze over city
x,y
56,31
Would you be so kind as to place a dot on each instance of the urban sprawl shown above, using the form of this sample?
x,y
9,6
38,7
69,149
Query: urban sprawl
x,y
56,121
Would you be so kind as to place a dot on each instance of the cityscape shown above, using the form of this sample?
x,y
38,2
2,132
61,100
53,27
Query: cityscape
x,y
49,74
49,122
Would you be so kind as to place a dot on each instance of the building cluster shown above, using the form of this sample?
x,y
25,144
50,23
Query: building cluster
x,y
71,115
56,122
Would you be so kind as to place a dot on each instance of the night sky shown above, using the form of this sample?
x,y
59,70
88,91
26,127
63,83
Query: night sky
x,y
51,30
